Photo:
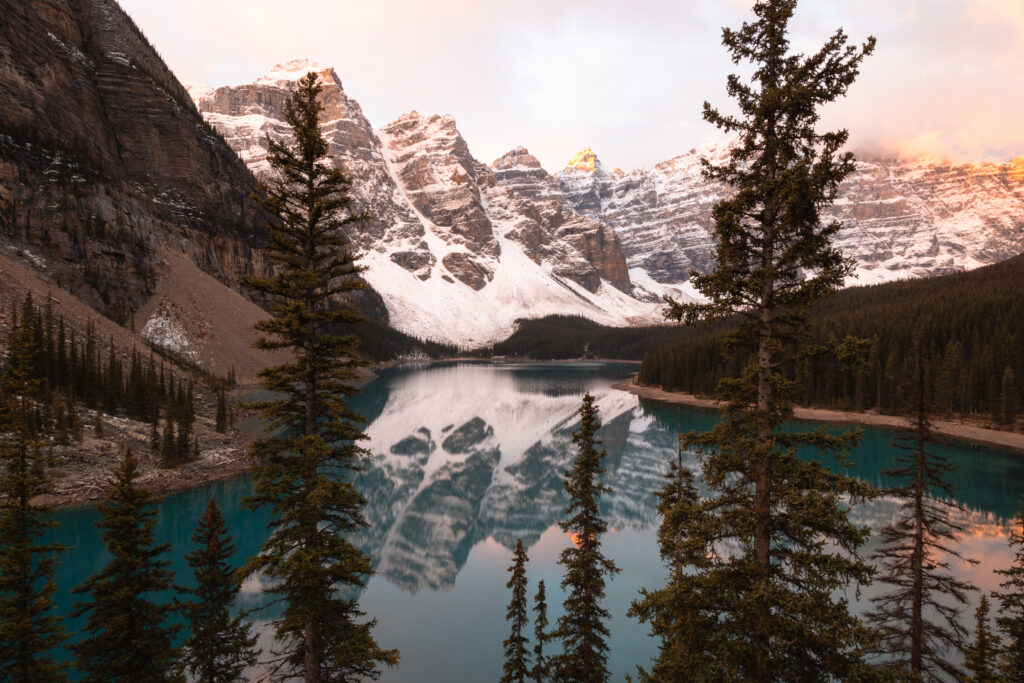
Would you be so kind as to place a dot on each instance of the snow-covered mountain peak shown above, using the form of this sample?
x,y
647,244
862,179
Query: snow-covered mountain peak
x,y
518,156
585,160
294,70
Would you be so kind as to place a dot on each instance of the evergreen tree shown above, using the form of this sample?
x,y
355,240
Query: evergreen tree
x,y
127,637
781,546
914,560
583,627
1011,605
675,612
154,435
29,627
219,647
1008,398
222,411
300,472
539,672
980,657
169,445
517,663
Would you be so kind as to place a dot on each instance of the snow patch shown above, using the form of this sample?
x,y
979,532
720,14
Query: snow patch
x,y
164,330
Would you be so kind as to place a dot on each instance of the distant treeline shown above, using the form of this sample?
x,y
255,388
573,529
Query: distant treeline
x,y
565,337
970,325
378,342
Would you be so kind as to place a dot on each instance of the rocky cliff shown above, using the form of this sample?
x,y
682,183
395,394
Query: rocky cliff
x,y
458,249
105,161
901,218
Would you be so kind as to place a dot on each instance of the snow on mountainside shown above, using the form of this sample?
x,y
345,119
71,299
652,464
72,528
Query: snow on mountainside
x,y
457,253
902,218
459,250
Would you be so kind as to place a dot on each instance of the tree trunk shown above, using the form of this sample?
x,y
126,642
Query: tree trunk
x,y
311,661
762,507
917,559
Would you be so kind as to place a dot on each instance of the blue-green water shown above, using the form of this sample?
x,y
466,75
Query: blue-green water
x,y
467,458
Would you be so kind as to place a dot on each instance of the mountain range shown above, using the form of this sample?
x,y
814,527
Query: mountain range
x,y
132,193
459,249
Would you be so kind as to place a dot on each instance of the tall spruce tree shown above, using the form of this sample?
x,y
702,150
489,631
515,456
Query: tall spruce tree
x,y
1010,621
781,545
583,627
517,661
127,638
1006,407
219,646
29,627
299,473
675,613
222,412
981,656
539,672
919,616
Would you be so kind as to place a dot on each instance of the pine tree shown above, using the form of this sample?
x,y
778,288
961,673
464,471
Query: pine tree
x,y
1007,406
539,672
29,626
219,647
1011,605
154,435
583,627
517,663
169,445
782,546
676,615
980,656
222,411
128,638
919,617
300,472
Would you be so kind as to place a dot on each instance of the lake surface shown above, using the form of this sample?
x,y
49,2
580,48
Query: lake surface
x,y
468,457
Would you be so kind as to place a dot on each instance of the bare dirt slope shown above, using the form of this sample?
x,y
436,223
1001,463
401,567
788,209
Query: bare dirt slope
x,y
81,470
216,320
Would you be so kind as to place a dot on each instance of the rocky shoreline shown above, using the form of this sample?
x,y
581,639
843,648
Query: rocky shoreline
x,y
949,429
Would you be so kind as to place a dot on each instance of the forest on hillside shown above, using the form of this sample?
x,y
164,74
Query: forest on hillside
x,y
857,355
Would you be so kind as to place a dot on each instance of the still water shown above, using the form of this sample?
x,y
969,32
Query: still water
x,y
468,457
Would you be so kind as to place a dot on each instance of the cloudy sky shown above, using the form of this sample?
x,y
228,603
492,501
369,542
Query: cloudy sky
x,y
625,78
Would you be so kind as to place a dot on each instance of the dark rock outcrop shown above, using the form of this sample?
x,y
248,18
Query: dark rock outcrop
x,y
104,159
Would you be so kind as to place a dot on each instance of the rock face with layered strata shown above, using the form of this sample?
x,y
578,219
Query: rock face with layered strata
x,y
104,160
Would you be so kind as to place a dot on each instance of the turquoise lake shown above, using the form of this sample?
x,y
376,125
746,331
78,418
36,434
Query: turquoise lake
x,y
468,457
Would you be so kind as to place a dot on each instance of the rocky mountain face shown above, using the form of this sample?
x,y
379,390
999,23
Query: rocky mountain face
x,y
458,249
901,218
105,161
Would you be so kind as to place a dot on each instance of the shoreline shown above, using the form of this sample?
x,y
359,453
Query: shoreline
x,y
949,429
211,467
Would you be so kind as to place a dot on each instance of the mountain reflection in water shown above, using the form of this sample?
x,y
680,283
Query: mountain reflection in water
x,y
469,457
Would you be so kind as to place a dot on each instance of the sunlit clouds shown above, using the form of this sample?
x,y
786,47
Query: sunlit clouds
x,y
627,79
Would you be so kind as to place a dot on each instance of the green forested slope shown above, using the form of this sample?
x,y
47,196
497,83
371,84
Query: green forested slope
x,y
970,323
